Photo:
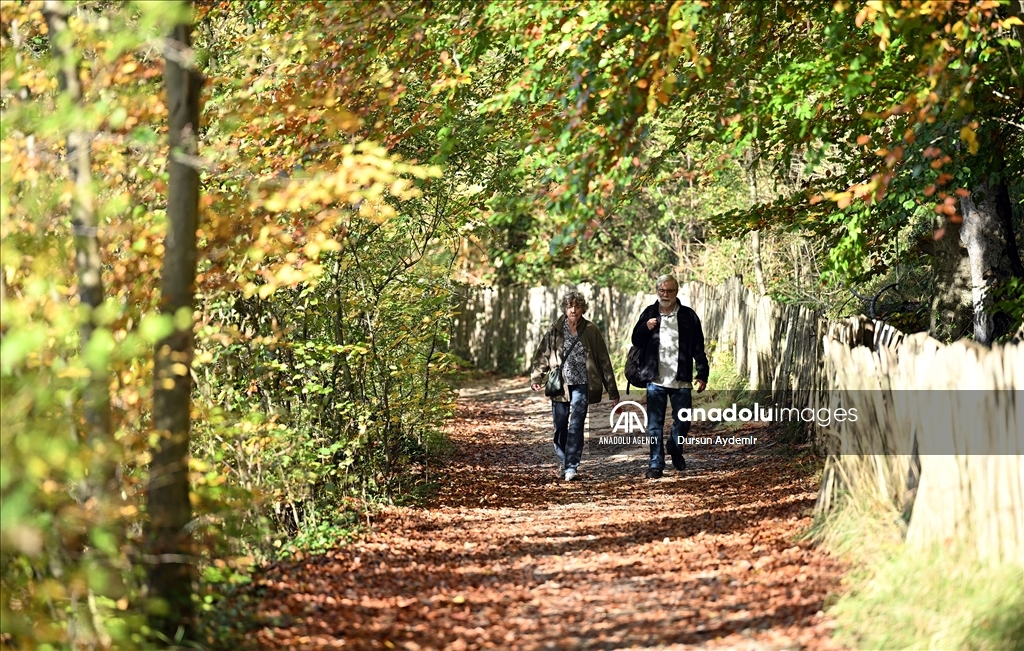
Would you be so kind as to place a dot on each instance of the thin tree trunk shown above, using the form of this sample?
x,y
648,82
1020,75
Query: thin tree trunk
x,y
691,217
171,570
88,264
755,235
755,248
987,233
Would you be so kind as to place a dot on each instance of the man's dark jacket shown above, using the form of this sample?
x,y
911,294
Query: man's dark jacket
x,y
691,344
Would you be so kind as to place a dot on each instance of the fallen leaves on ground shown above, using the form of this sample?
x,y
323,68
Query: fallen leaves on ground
x,y
508,557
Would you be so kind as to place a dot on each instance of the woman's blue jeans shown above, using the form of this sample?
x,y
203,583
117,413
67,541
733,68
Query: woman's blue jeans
x,y
569,420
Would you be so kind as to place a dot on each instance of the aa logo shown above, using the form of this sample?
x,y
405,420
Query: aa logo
x,y
628,422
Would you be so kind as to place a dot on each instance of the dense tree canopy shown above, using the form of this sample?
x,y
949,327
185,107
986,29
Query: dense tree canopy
x,y
353,164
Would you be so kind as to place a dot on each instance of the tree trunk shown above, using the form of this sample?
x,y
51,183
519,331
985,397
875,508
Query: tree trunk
x,y
755,235
755,248
987,233
96,394
691,217
171,569
950,318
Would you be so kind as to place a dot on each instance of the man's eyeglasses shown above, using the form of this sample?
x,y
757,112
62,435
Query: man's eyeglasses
x,y
668,290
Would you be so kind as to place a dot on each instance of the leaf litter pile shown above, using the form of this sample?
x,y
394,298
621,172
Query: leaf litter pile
x,y
506,556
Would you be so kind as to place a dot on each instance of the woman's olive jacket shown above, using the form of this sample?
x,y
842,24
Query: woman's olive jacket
x,y
599,365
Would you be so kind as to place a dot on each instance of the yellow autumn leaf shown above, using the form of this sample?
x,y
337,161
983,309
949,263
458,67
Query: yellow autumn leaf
x,y
274,204
967,135
74,372
842,199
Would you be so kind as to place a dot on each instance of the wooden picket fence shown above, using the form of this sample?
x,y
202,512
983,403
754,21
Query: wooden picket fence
x,y
499,329
973,497
961,398
777,347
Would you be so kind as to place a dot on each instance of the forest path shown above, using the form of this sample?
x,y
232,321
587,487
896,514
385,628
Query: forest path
x,y
508,557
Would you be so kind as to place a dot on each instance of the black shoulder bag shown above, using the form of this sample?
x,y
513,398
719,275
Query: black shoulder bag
x,y
634,371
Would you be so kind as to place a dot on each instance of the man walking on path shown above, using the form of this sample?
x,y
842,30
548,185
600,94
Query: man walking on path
x,y
671,338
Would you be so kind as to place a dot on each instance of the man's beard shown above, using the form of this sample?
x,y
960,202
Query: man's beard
x,y
666,303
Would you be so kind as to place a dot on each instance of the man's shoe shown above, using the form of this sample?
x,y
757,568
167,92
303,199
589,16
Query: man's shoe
x,y
653,473
570,474
678,462
561,471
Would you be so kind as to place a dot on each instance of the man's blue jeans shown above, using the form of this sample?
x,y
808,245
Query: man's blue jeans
x,y
569,419
657,398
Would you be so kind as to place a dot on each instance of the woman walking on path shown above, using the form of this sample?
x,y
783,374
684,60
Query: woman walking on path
x,y
577,347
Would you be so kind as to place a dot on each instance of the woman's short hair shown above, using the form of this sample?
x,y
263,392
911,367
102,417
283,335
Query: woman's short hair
x,y
574,298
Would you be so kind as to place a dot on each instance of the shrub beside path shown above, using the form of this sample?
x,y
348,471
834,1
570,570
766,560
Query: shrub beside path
x,y
508,557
